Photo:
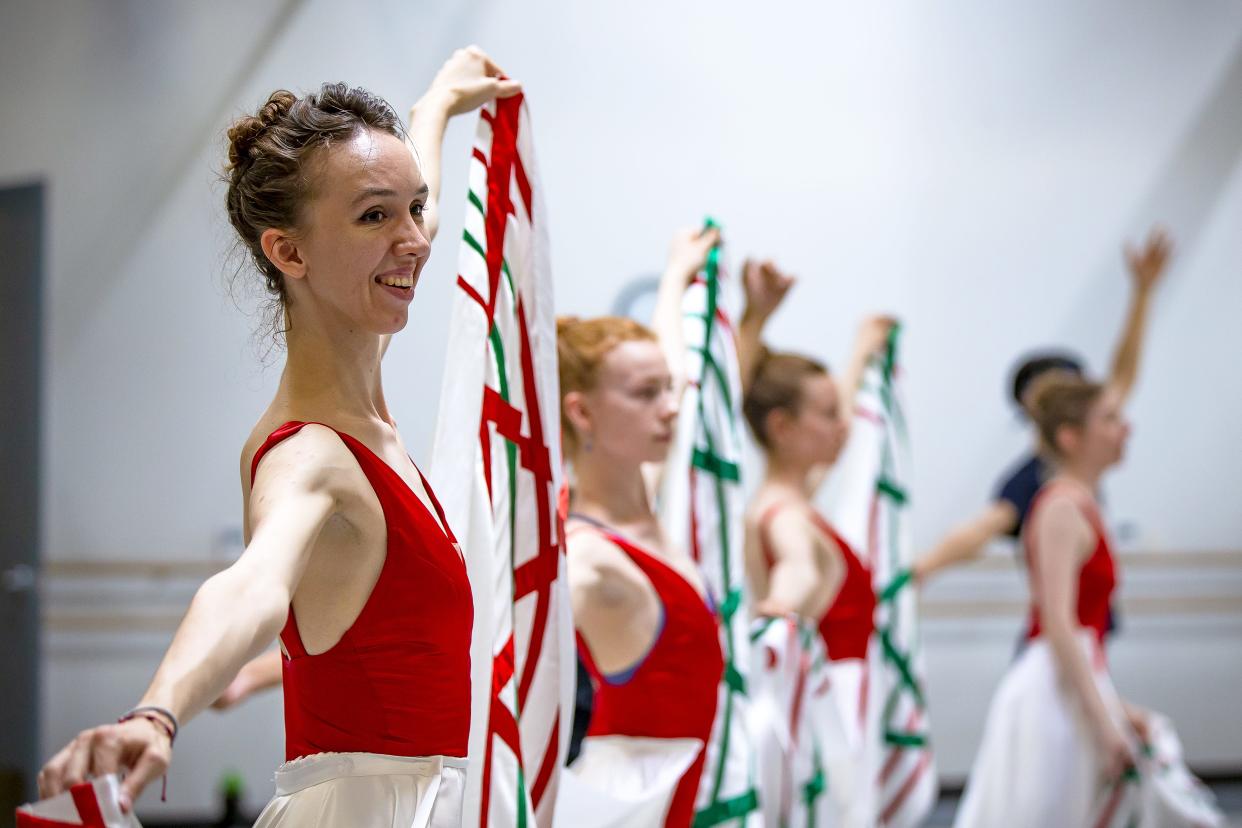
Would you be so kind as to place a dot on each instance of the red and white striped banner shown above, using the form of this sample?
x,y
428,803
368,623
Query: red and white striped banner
x,y
94,804
497,465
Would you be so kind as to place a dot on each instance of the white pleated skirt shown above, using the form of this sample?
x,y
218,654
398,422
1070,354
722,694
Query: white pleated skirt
x,y
792,723
623,781
1037,765
367,790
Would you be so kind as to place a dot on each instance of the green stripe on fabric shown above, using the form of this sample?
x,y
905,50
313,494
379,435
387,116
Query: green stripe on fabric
x,y
474,199
895,586
727,809
896,737
502,372
716,465
735,680
762,628
903,666
521,797
709,359
474,244
504,267
888,486
730,604
815,786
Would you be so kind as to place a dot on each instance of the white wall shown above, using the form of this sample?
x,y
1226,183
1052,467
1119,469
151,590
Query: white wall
x,y
970,166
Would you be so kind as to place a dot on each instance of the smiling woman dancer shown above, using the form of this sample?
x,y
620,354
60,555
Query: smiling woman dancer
x,y
348,558
646,626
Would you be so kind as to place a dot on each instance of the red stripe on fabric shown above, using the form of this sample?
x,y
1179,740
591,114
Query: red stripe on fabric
x,y
695,551
485,455
508,419
1111,808
868,415
471,292
906,787
25,820
88,806
528,199
499,200
551,759
502,669
537,459
895,753
478,154
533,575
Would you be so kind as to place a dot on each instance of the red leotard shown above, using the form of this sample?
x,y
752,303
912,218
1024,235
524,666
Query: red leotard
x,y
672,692
1096,579
398,681
847,624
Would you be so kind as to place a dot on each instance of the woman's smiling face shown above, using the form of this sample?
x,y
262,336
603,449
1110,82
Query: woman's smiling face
x,y
363,241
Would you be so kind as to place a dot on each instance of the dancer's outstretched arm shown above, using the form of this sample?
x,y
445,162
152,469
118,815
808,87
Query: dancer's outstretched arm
x,y
1147,265
234,615
260,673
966,541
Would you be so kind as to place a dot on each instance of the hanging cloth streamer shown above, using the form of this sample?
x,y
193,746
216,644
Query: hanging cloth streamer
x,y
701,507
497,464
888,777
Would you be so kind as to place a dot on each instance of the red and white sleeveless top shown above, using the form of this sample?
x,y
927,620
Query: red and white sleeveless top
x,y
672,692
846,626
1097,578
398,681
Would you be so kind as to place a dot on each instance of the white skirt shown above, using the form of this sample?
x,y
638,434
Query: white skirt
x,y
367,790
623,781
792,723
1037,765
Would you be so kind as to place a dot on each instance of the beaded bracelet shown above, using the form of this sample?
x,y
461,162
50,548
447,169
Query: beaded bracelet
x,y
164,718
165,721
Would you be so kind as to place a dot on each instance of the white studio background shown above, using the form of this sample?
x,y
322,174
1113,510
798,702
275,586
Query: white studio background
x,y
972,168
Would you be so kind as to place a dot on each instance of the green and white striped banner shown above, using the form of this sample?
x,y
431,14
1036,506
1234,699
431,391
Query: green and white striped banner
x,y
497,465
702,506
872,513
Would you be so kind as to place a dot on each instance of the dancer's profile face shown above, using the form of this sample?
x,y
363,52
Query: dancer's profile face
x,y
632,408
1105,431
363,239
817,432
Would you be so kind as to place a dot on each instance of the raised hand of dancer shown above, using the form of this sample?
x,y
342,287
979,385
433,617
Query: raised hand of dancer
x,y
873,335
467,80
1148,263
766,287
687,256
